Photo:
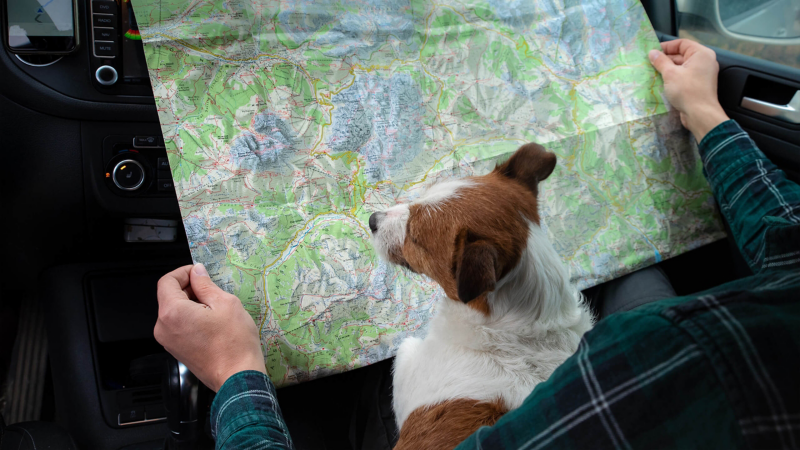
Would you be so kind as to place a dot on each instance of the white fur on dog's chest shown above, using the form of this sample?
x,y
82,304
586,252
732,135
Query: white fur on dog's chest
x,y
537,321
460,360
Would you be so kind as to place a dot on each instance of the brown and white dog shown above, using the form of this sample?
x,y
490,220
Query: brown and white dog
x,y
511,317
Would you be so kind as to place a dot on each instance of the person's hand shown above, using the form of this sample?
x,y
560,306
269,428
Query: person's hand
x,y
690,73
205,328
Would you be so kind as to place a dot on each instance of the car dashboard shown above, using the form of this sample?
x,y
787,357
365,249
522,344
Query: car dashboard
x,y
93,222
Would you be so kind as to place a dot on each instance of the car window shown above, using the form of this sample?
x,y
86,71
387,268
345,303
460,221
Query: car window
x,y
768,29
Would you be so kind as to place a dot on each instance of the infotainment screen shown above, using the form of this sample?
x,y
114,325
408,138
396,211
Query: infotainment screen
x,y
134,67
40,26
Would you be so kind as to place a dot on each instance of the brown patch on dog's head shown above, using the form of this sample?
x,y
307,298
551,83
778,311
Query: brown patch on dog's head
x,y
467,238
447,424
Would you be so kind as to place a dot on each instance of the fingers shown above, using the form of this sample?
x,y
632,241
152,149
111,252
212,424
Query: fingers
x,y
671,47
681,47
173,286
172,317
204,289
677,59
660,61
175,295
684,48
190,293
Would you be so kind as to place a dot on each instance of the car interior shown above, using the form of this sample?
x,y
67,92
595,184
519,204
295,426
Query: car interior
x,y
91,222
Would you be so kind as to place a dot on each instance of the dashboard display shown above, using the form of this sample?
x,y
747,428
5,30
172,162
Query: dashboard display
x,y
134,67
40,26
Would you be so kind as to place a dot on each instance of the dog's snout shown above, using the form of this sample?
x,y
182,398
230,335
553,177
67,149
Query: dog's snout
x,y
373,222
389,232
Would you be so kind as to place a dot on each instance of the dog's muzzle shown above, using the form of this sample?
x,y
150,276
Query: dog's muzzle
x,y
374,221
389,231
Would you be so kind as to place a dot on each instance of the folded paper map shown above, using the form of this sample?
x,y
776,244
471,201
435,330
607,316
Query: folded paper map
x,y
288,123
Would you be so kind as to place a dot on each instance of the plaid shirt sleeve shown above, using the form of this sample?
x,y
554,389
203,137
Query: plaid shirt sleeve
x,y
718,369
245,414
759,203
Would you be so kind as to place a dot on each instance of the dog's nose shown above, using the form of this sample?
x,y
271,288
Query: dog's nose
x,y
373,223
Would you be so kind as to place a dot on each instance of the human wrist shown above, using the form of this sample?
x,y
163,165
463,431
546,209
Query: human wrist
x,y
256,365
703,119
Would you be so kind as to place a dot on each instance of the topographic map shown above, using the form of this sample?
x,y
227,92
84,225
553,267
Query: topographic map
x,y
288,122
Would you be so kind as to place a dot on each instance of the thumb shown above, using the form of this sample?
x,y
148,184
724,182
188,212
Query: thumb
x,y
660,61
204,289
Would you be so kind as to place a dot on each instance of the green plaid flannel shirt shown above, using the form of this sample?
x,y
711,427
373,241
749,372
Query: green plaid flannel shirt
x,y
245,414
718,369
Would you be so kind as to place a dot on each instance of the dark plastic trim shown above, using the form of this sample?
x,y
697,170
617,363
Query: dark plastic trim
x,y
23,89
63,301
662,14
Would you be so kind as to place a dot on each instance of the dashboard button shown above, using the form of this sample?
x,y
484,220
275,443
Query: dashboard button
x,y
105,49
128,175
104,7
147,141
165,184
163,164
105,20
131,414
104,34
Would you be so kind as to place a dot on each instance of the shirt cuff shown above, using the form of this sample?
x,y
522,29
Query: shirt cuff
x,y
246,398
719,135
726,148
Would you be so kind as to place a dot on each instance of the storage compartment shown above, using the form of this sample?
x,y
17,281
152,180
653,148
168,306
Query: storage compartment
x,y
107,367
130,364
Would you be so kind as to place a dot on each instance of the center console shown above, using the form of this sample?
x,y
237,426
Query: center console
x,y
96,224
110,370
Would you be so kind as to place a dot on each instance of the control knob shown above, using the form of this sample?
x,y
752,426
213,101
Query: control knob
x,y
128,175
106,75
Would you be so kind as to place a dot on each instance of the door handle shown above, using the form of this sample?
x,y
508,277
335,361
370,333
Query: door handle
x,y
788,113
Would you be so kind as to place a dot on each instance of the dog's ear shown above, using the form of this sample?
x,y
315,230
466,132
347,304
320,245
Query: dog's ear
x,y
475,264
530,164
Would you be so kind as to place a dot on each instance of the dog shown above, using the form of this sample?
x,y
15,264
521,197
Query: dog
x,y
511,316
